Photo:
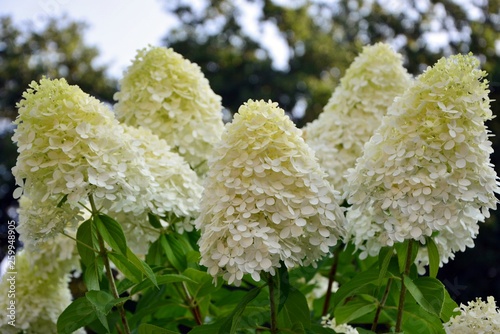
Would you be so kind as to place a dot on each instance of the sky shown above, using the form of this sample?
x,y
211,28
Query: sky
x,y
116,27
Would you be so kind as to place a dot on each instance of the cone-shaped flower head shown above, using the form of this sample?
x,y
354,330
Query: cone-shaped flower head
x,y
476,317
39,300
427,169
169,95
355,110
266,199
70,146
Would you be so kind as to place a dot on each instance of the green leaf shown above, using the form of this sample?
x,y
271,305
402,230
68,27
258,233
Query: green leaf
x,y
151,329
78,314
433,252
142,266
203,285
99,300
163,279
230,324
449,307
428,293
370,276
417,320
154,256
295,311
126,267
174,251
93,273
84,237
154,220
384,259
283,286
112,233
206,329
353,310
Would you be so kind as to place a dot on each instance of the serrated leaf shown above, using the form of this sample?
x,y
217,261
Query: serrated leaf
x,y
151,329
84,237
433,253
112,233
78,314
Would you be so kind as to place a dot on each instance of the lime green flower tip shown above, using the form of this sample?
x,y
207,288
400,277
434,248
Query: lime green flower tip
x,y
170,95
266,199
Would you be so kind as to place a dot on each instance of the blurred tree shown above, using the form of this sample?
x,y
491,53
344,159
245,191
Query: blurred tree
x,y
320,39
56,50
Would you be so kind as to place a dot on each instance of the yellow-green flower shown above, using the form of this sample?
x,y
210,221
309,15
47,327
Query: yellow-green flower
x,y
168,94
266,199
355,110
427,171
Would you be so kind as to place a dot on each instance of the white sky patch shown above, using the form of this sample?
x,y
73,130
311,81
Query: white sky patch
x,y
117,28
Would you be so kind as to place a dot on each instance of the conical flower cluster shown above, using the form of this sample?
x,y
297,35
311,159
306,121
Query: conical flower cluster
x,y
266,199
169,95
427,171
355,110
476,317
71,146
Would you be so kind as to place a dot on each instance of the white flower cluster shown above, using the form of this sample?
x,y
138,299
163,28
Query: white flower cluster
x,y
71,146
169,95
355,110
477,317
266,199
174,188
427,171
326,322
40,299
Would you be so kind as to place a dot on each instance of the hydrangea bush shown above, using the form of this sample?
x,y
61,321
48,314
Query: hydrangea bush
x,y
169,221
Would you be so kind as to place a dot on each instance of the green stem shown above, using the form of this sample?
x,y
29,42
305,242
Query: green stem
x,y
402,295
272,303
193,306
331,279
103,252
381,305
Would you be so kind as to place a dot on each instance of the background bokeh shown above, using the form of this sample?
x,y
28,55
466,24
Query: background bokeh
x,y
293,52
